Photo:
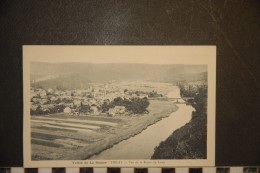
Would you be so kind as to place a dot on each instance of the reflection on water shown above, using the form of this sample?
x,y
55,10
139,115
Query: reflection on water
x,y
142,145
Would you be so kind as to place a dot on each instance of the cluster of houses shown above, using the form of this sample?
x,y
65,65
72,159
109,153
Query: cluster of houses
x,y
117,110
70,101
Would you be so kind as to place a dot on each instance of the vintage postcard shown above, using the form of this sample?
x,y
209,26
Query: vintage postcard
x,y
119,106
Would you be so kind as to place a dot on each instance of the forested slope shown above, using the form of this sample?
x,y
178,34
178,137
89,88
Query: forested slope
x,y
189,141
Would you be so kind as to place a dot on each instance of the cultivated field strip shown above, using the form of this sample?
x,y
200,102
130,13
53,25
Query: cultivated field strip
x,y
66,124
51,136
52,129
78,120
68,128
46,143
48,133
81,137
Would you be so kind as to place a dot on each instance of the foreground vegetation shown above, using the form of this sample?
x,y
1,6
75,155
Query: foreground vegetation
x,y
189,141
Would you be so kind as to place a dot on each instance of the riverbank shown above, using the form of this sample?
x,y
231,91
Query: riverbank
x,y
189,141
133,126
67,143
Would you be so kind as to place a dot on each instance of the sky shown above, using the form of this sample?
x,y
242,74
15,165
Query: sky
x,y
121,54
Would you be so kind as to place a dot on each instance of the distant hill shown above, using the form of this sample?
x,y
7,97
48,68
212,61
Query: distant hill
x,y
75,75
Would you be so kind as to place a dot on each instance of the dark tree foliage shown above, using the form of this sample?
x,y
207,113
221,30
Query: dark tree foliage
x,y
118,101
58,101
84,108
90,96
154,94
189,141
187,92
105,106
200,100
138,105
66,100
135,105
42,111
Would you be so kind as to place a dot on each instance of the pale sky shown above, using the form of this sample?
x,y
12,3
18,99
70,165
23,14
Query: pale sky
x,y
121,54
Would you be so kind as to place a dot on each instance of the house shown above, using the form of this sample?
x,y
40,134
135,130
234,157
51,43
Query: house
x,y
61,103
57,93
112,112
50,91
141,96
98,94
43,93
69,105
134,95
76,113
93,102
77,103
116,110
35,100
43,101
67,110
119,109
34,107
50,106
53,99
44,108
94,109
68,93
66,98
127,97
85,102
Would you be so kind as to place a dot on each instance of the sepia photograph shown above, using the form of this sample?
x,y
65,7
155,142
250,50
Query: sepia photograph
x,y
119,103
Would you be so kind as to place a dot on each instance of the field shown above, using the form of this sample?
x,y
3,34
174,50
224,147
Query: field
x,y
64,137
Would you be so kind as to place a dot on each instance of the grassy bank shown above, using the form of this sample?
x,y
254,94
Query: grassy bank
x,y
187,142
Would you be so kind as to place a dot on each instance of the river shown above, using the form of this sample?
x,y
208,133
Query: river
x,y
142,145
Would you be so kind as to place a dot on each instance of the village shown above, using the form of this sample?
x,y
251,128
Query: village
x,y
95,100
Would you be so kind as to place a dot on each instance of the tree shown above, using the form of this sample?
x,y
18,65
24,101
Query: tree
x,y
138,105
201,100
118,101
84,108
154,94
135,105
105,106
58,101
